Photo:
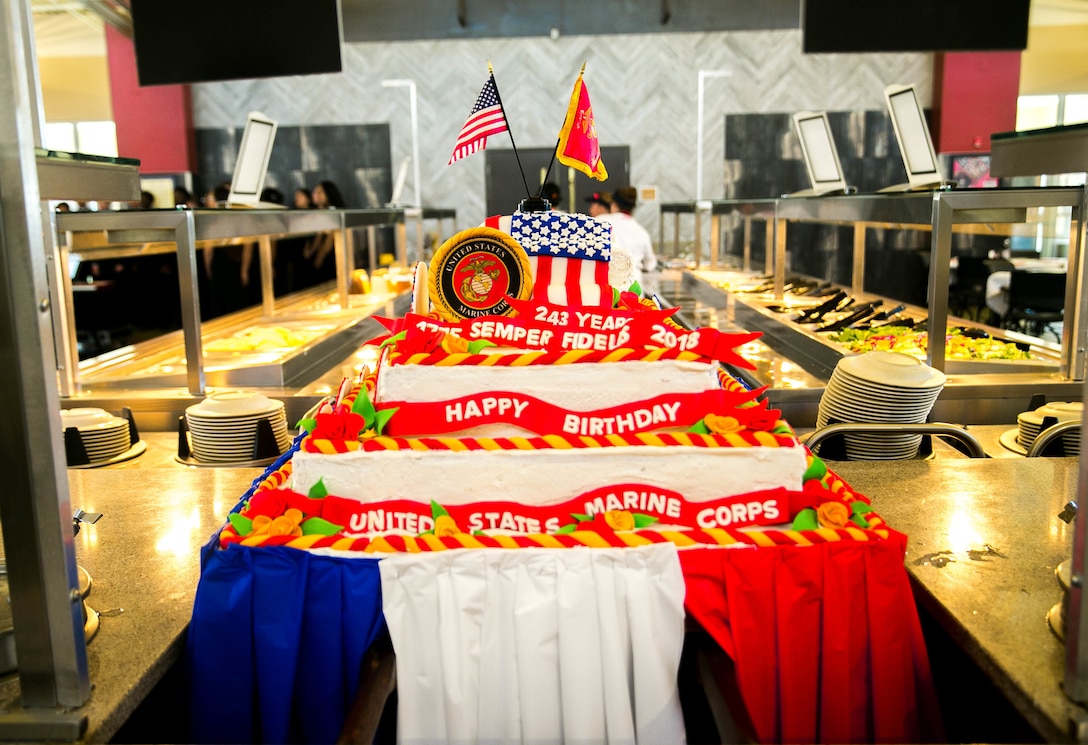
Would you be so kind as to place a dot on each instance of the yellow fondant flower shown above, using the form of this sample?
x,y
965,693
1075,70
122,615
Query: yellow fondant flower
x,y
722,425
454,344
833,515
619,520
444,526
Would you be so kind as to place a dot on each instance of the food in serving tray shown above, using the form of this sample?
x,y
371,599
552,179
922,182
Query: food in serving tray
x,y
263,339
958,345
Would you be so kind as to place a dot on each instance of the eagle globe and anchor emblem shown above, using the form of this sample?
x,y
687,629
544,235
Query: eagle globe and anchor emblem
x,y
474,272
476,287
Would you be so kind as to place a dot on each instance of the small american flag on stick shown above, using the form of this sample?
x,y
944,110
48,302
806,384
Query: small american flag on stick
x,y
487,118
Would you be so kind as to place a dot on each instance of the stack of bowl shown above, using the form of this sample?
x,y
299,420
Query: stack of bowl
x,y
1029,424
880,387
104,435
223,427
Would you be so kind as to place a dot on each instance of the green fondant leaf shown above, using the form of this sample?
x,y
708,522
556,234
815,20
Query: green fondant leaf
x,y
615,297
381,418
636,288
805,520
438,510
242,525
307,424
860,521
319,526
582,518
699,428
318,490
859,508
782,429
570,528
478,532
641,521
364,407
474,347
392,340
817,469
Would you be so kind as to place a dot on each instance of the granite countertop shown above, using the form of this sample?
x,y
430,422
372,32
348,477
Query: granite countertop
x,y
143,557
993,603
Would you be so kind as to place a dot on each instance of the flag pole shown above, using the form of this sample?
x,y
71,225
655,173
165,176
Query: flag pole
x,y
555,151
509,129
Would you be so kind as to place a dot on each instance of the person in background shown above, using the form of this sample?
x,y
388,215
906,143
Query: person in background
x,y
326,195
272,195
217,196
598,203
183,198
302,199
63,207
290,271
319,265
550,191
629,237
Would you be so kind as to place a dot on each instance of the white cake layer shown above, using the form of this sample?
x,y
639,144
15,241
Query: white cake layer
x,y
543,477
578,387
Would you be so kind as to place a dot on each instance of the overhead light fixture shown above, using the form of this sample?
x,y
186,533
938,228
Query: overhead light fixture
x,y
411,86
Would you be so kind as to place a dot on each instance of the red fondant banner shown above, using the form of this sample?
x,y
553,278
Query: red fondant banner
x,y
667,507
540,417
558,329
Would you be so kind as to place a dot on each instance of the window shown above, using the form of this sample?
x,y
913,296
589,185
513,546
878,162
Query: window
x,y
90,138
1038,112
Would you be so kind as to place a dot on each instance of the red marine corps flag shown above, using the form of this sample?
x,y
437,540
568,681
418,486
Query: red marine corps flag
x,y
578,146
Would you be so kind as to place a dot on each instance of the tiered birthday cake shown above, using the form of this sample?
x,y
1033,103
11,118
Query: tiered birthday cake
x,y
527,403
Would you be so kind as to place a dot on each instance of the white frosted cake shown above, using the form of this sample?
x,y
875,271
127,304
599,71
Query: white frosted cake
x,y
504,411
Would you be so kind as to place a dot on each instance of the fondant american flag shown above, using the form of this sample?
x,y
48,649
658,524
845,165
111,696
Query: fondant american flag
x,y
568,254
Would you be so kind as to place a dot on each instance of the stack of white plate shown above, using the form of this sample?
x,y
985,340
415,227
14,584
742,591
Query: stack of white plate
x,y
1029,424
104,435
880,387
223,427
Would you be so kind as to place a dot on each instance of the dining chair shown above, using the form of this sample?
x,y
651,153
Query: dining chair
x,y
1036,302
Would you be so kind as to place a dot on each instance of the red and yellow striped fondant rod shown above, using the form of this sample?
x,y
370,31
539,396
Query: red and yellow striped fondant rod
x,y
741,439
707,538
544,357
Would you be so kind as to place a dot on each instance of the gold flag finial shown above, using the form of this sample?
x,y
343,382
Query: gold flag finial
x,y
490,69
583,72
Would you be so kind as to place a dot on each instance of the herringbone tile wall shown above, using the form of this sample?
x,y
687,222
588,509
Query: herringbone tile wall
x,y
643,88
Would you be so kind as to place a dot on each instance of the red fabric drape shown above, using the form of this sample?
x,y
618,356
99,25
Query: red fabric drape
x,y
826,640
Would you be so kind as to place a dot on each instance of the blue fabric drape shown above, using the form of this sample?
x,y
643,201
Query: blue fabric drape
x,y
275,643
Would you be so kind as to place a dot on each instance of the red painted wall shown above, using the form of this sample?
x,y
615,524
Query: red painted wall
x,y
974,96
154,124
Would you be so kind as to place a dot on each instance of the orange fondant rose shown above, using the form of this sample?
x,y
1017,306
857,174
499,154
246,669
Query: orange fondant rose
x,y
289,523
832,515
619,520
444,526
722,425
454,344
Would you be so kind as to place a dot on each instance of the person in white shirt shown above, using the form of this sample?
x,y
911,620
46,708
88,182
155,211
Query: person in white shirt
x,y
629,237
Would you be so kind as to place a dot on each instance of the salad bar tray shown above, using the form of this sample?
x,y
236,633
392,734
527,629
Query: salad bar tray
x,y
817,324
